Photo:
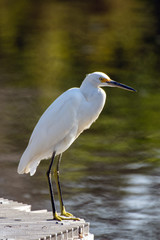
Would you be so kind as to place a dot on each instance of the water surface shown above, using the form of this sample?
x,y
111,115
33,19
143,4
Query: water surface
x,y
111,174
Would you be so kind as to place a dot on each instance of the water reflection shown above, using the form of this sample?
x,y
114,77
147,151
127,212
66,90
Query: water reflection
x,y
110,175
121,200
124,204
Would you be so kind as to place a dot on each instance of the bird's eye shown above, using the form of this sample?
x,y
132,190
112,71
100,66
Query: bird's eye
x,y
101,79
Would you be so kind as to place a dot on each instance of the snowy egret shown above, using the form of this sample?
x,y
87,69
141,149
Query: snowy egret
x,y
64,120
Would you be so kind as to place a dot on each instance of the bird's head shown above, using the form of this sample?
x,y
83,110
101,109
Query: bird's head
x,y
100,79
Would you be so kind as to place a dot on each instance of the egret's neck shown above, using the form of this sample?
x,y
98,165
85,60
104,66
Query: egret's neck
x,y
91,106
88,89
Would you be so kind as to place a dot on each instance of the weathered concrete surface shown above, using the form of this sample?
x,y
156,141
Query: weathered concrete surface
x,y
17,221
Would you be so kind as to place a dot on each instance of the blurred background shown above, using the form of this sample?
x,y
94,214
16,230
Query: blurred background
x,y
111,175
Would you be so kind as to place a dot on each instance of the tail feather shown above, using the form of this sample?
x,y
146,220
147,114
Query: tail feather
x,y
22,167
27,163
23,162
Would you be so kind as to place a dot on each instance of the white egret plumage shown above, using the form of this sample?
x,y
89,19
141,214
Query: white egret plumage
x,y
64,120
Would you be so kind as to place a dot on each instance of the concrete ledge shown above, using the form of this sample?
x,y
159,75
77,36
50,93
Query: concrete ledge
x,y
17,221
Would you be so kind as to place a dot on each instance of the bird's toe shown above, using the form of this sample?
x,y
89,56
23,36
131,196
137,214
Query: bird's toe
x,y
65,216
64,213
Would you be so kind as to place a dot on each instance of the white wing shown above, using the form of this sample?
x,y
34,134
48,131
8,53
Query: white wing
x,y
55,131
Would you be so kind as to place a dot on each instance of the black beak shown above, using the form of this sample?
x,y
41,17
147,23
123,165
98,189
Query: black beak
x,y
120,85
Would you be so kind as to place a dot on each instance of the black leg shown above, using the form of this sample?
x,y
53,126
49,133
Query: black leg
x,y
50,184
56,175
62,207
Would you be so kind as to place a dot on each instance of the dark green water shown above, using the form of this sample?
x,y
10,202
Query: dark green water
x,y
111,174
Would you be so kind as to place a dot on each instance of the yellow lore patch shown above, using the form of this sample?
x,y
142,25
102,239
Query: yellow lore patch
x,y
104,79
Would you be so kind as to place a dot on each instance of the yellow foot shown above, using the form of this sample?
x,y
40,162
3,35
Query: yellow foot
x,y
64,213
67,216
